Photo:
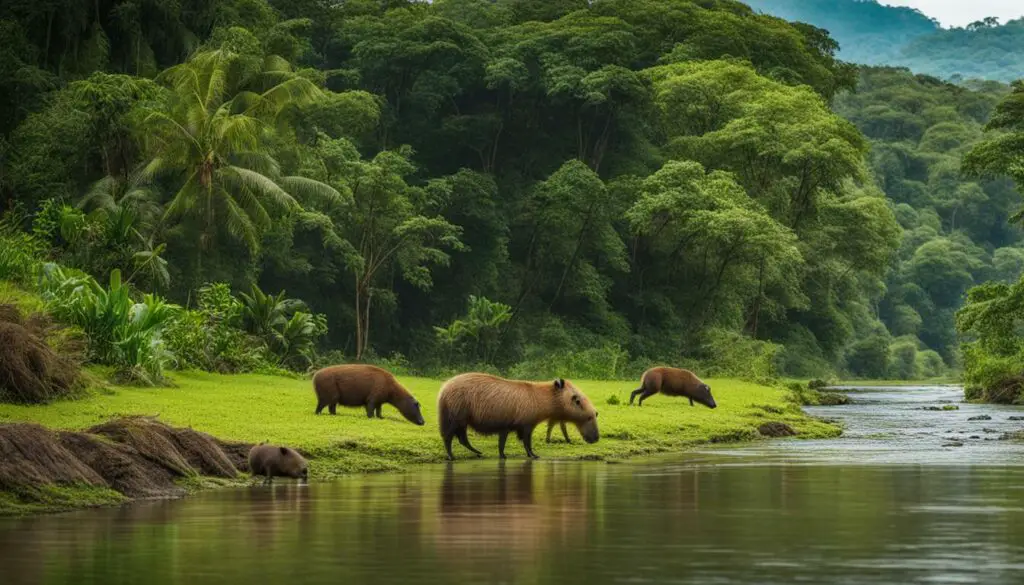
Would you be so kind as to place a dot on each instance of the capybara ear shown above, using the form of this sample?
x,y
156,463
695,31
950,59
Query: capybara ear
x,y
284,450
559,384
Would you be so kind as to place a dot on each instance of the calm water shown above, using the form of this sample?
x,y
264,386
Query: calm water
x,y
889,503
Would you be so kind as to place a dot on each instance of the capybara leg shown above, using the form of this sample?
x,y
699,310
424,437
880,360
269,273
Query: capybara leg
x,y
319,407
551,425
464,439
377,411
332,408
527,437
645,396
634,394
448,446
565,433
370,407
502,437
691,402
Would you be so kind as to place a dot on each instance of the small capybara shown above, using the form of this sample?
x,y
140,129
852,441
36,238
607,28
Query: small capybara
x,y
272,461
673,382
491,405
367,386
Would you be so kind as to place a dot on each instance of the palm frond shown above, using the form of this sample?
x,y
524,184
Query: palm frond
x,y
309,190
263,186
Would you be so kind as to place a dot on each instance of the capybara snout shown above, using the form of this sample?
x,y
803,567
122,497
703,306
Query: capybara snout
x,y
703,396
410,409
588,430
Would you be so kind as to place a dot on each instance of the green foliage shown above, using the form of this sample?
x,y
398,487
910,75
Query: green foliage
x,y
610,183
610,362
120,331
476,335
749,359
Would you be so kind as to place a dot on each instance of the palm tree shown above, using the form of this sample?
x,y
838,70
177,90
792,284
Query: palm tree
x,y
212,135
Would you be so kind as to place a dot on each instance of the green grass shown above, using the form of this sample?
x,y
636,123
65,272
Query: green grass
x,y
267,408
53,498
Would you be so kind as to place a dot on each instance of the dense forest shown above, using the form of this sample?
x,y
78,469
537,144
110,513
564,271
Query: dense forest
x,y
877,34
956,232
522,185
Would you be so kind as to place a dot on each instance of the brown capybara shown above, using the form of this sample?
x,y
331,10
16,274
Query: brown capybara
x,y
272,461
673,382
367,386
491,405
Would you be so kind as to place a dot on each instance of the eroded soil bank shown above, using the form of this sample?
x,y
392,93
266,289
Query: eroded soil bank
x,y
122,459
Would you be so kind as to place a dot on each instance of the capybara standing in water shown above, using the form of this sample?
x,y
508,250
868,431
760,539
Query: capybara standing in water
x,y
491,405
271,461
367,386
673,382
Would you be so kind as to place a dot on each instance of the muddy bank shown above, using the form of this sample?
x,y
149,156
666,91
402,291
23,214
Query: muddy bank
x,y
119,460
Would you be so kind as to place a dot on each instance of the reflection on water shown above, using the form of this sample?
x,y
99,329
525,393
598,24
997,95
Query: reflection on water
x,y
772,514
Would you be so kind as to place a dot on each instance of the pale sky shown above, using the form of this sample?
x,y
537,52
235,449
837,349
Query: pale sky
x,y
963,12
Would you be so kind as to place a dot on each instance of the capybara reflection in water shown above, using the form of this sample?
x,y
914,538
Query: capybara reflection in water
x,y
673,382
491,405
272,461
367,386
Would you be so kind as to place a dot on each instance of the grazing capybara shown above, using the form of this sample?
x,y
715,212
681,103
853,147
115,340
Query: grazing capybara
x,y
272,461
367,386
673,382
491,405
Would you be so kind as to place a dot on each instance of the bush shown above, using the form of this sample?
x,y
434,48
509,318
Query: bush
x,y
613,400
210,338
903,360
736,355
930,364
20,255
599,363
120,331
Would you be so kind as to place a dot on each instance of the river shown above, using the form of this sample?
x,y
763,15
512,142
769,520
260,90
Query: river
x,y
906,496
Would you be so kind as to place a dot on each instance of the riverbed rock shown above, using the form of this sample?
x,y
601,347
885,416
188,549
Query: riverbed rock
x,y
776,429
832,399
941,408
953,444
980,417
1016,418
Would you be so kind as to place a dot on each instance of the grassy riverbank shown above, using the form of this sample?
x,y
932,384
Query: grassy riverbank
x,y
265,408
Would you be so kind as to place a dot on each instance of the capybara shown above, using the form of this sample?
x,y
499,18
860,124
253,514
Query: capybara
x,y
491,405
272,461
673,382
367,386
561,423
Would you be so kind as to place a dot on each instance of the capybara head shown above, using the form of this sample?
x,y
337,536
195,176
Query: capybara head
x,y
291,464
410,409
577,408
703,395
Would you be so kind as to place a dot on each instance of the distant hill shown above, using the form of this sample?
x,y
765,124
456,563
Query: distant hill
x,y
876,34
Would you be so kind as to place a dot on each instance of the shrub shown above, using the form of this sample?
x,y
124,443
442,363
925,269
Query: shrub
x,y
20,255
210,337
728,353
600,363
120,331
